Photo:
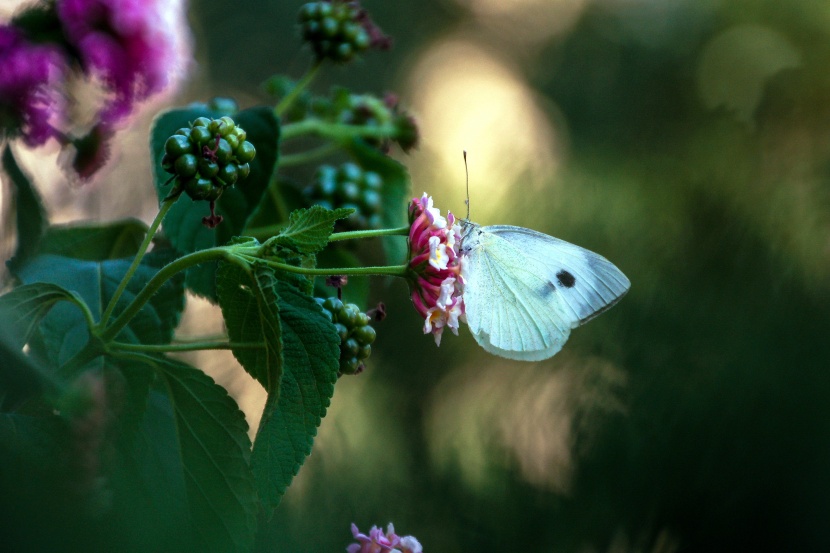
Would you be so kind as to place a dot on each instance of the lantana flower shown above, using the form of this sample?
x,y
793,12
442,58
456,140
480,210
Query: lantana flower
x,y
30,99
378,542
436,283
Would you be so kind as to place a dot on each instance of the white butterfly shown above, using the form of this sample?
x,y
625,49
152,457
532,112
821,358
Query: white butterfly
x,y
524,291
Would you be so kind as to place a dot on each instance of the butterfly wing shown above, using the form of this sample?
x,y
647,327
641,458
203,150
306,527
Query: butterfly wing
x,y
526,290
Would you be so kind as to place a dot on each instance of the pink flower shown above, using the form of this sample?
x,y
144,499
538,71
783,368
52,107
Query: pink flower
x,y
378,542
30,98
129,44
436,268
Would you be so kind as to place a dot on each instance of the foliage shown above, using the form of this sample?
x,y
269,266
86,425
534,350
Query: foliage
x,y
156,454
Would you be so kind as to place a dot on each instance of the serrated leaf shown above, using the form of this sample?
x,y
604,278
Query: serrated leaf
x,y
309,229
249,306
394,193
183,223
31,215
213,445
64,329
94,241
289,422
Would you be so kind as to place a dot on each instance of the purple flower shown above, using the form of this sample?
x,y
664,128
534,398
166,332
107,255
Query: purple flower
x,y
30,98
129,44
378,542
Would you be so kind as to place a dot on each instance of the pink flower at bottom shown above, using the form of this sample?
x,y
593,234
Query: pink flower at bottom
x,y
378,542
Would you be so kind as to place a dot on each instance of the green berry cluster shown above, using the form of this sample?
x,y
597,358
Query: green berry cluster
x,y
333,29
349,186
208,157
356,334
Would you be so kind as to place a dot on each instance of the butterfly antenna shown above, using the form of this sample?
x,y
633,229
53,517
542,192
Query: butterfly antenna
x,y
467,175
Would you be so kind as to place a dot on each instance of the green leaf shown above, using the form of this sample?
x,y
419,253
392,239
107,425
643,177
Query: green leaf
x,y
148,484
214,450
94,242
183,224
23,308
34,456
31,215
395,193
249,306
309,229
64,329
311,349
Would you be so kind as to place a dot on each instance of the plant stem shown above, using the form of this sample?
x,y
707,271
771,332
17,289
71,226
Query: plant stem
x,y
192,346
151,232
357,234
289,160
336,131
158,280
390,270
301,85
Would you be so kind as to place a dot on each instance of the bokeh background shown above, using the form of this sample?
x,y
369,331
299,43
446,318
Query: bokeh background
x,y
686,140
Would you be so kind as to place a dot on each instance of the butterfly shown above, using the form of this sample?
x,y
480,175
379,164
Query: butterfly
x,y
524,291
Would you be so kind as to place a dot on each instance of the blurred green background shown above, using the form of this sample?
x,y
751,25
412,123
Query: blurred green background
x,y
688,141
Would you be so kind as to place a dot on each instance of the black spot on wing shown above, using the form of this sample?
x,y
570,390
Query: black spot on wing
x,y
566,279
549,289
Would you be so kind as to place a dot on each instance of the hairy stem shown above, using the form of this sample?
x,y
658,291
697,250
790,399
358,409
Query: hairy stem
x,y
301,158
158,280
151,232
357,234
191,346
389,270
301,85
335,131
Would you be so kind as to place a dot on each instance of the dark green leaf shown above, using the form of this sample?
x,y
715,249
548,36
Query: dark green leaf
x,y
183,224
309,229
395,193
148,484
213,445
64,328
35,461
251,312
23,308
30,214
290,420
94,242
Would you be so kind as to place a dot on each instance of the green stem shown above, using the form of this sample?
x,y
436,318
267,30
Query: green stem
x,y
90,351
301,85
301,158
335,131
194,339
357,234
158,280
390,270
193,346
151,232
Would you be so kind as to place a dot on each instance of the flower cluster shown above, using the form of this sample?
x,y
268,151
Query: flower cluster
x,y
127,47
434,261
378,542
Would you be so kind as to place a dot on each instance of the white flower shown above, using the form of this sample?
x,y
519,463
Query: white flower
x,y
438,257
